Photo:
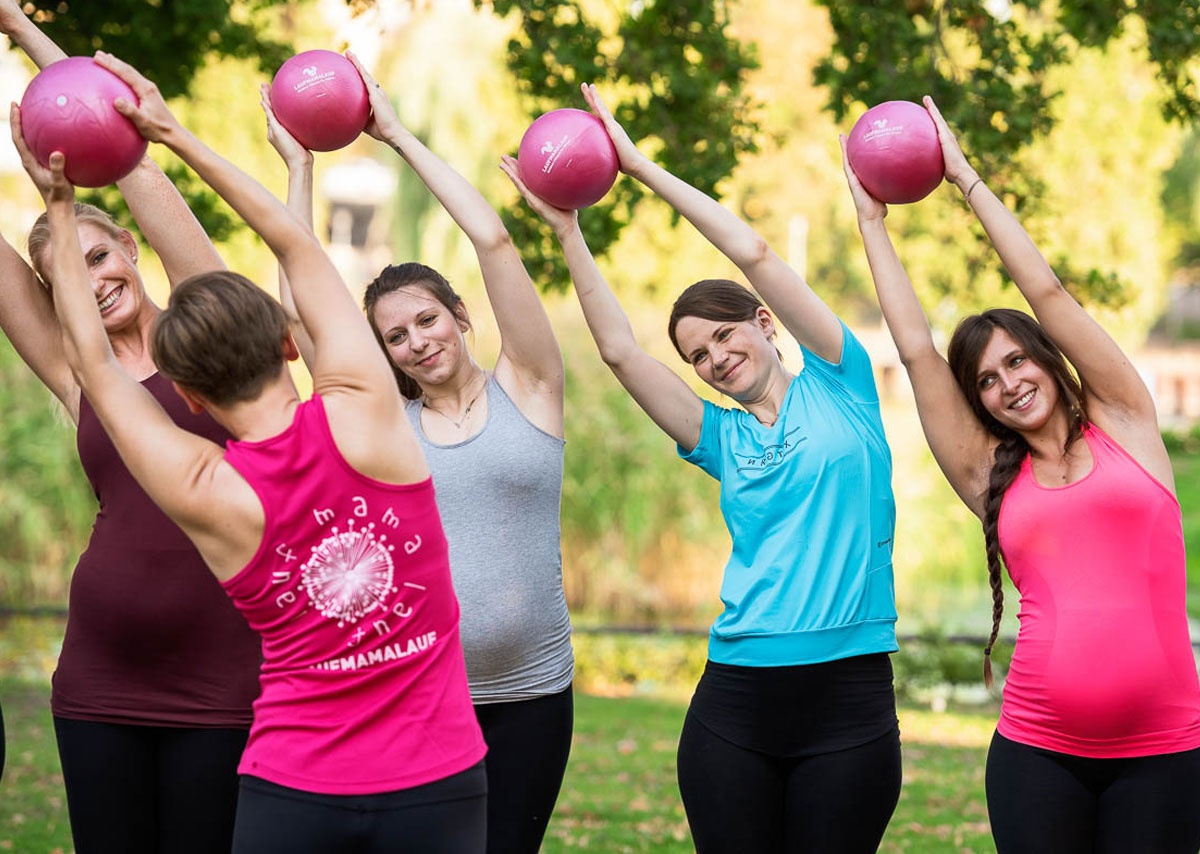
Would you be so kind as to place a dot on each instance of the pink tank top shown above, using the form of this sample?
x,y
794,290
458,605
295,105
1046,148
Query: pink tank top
x,y
364,688
1103,663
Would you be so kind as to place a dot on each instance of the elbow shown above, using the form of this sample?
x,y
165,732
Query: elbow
x,y
617,355
493,238
751,252
917,353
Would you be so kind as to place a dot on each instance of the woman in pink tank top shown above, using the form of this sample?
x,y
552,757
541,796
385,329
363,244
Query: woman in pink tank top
x,y
151,696
318,518
1048,434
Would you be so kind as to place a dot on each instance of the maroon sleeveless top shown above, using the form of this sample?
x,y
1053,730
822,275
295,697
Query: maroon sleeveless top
x,y
151,637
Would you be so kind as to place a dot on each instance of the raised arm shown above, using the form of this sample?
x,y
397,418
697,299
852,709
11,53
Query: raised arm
x,y
960,444
28,320
529,353
1116,393
181,471
299,163
345,357
797,306
662,393
167,224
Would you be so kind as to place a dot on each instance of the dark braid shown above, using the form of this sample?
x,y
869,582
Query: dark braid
x,y
1008,456
963,354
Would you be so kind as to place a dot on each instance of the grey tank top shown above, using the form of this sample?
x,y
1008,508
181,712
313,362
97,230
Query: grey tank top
x,y
499,494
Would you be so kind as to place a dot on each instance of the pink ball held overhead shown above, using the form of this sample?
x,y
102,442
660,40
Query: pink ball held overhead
x,y
893,148
567,158
68,107
320,97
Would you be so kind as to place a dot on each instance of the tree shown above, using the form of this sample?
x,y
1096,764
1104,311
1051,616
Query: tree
x,y
681,77
680,74
989,64
169,40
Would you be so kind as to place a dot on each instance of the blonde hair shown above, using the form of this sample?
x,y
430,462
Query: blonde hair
x,y
39,235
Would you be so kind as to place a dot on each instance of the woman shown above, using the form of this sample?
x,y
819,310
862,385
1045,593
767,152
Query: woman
x,y
494,443
791,740
1098,744
153,690
318,519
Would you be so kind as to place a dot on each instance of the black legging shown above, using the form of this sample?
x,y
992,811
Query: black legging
x,y
448,816
740,800
1042,801
528,745
149,789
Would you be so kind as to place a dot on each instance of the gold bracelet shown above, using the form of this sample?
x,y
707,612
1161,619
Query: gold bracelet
x,y
974,184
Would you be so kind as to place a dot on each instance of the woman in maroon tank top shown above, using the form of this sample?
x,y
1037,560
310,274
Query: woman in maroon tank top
x,y
153,691
1098,744
364,737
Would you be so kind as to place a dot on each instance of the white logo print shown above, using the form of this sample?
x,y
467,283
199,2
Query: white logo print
x,y
310,71
349,574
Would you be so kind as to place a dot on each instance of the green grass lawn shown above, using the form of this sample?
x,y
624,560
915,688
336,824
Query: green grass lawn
x,y
619,794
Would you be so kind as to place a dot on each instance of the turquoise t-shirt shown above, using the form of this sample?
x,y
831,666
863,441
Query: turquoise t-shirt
x,y
808,503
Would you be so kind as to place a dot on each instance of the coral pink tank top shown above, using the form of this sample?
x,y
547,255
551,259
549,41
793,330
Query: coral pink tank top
x,y
1103,663
364,688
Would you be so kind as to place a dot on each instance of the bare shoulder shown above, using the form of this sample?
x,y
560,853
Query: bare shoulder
x,y
373,434
1141,438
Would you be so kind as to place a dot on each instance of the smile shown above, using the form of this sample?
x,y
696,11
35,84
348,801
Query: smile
x,y
110,300
1023,400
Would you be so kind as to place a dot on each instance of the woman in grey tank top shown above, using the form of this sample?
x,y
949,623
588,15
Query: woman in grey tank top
x,y
494,442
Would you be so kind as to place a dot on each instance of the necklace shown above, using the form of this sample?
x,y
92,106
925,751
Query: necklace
x,y
466,412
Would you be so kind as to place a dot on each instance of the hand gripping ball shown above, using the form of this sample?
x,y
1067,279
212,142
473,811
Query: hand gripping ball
x,y
68,107
567,158
320,97
893,149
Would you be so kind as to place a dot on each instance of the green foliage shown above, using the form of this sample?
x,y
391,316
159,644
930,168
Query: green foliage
x,y
167,40
993,69
1181,199
46,506
214,215
681,79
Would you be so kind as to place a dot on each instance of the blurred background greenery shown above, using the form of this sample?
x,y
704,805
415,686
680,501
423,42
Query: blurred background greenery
x,y
1087,125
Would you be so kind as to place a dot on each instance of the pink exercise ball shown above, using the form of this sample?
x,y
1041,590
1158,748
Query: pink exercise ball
x,y
893,148
567,158
68,107
320,97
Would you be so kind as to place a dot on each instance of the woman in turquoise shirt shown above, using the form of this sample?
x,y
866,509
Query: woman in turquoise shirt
x,y
791,741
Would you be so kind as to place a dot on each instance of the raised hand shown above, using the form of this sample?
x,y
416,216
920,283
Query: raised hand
x,y
869,207
150,115
560,219
293,153
384,124
627,152
958,171
43,177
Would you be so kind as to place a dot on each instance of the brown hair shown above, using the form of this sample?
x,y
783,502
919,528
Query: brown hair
x,y
966,347
39,235
220,336
410,274
719,300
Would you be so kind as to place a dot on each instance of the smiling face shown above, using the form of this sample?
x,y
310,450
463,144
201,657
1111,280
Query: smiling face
x,y
423,337
1013,388
111,261
734,357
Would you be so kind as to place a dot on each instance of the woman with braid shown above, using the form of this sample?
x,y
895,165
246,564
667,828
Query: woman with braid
x,y
1098,744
